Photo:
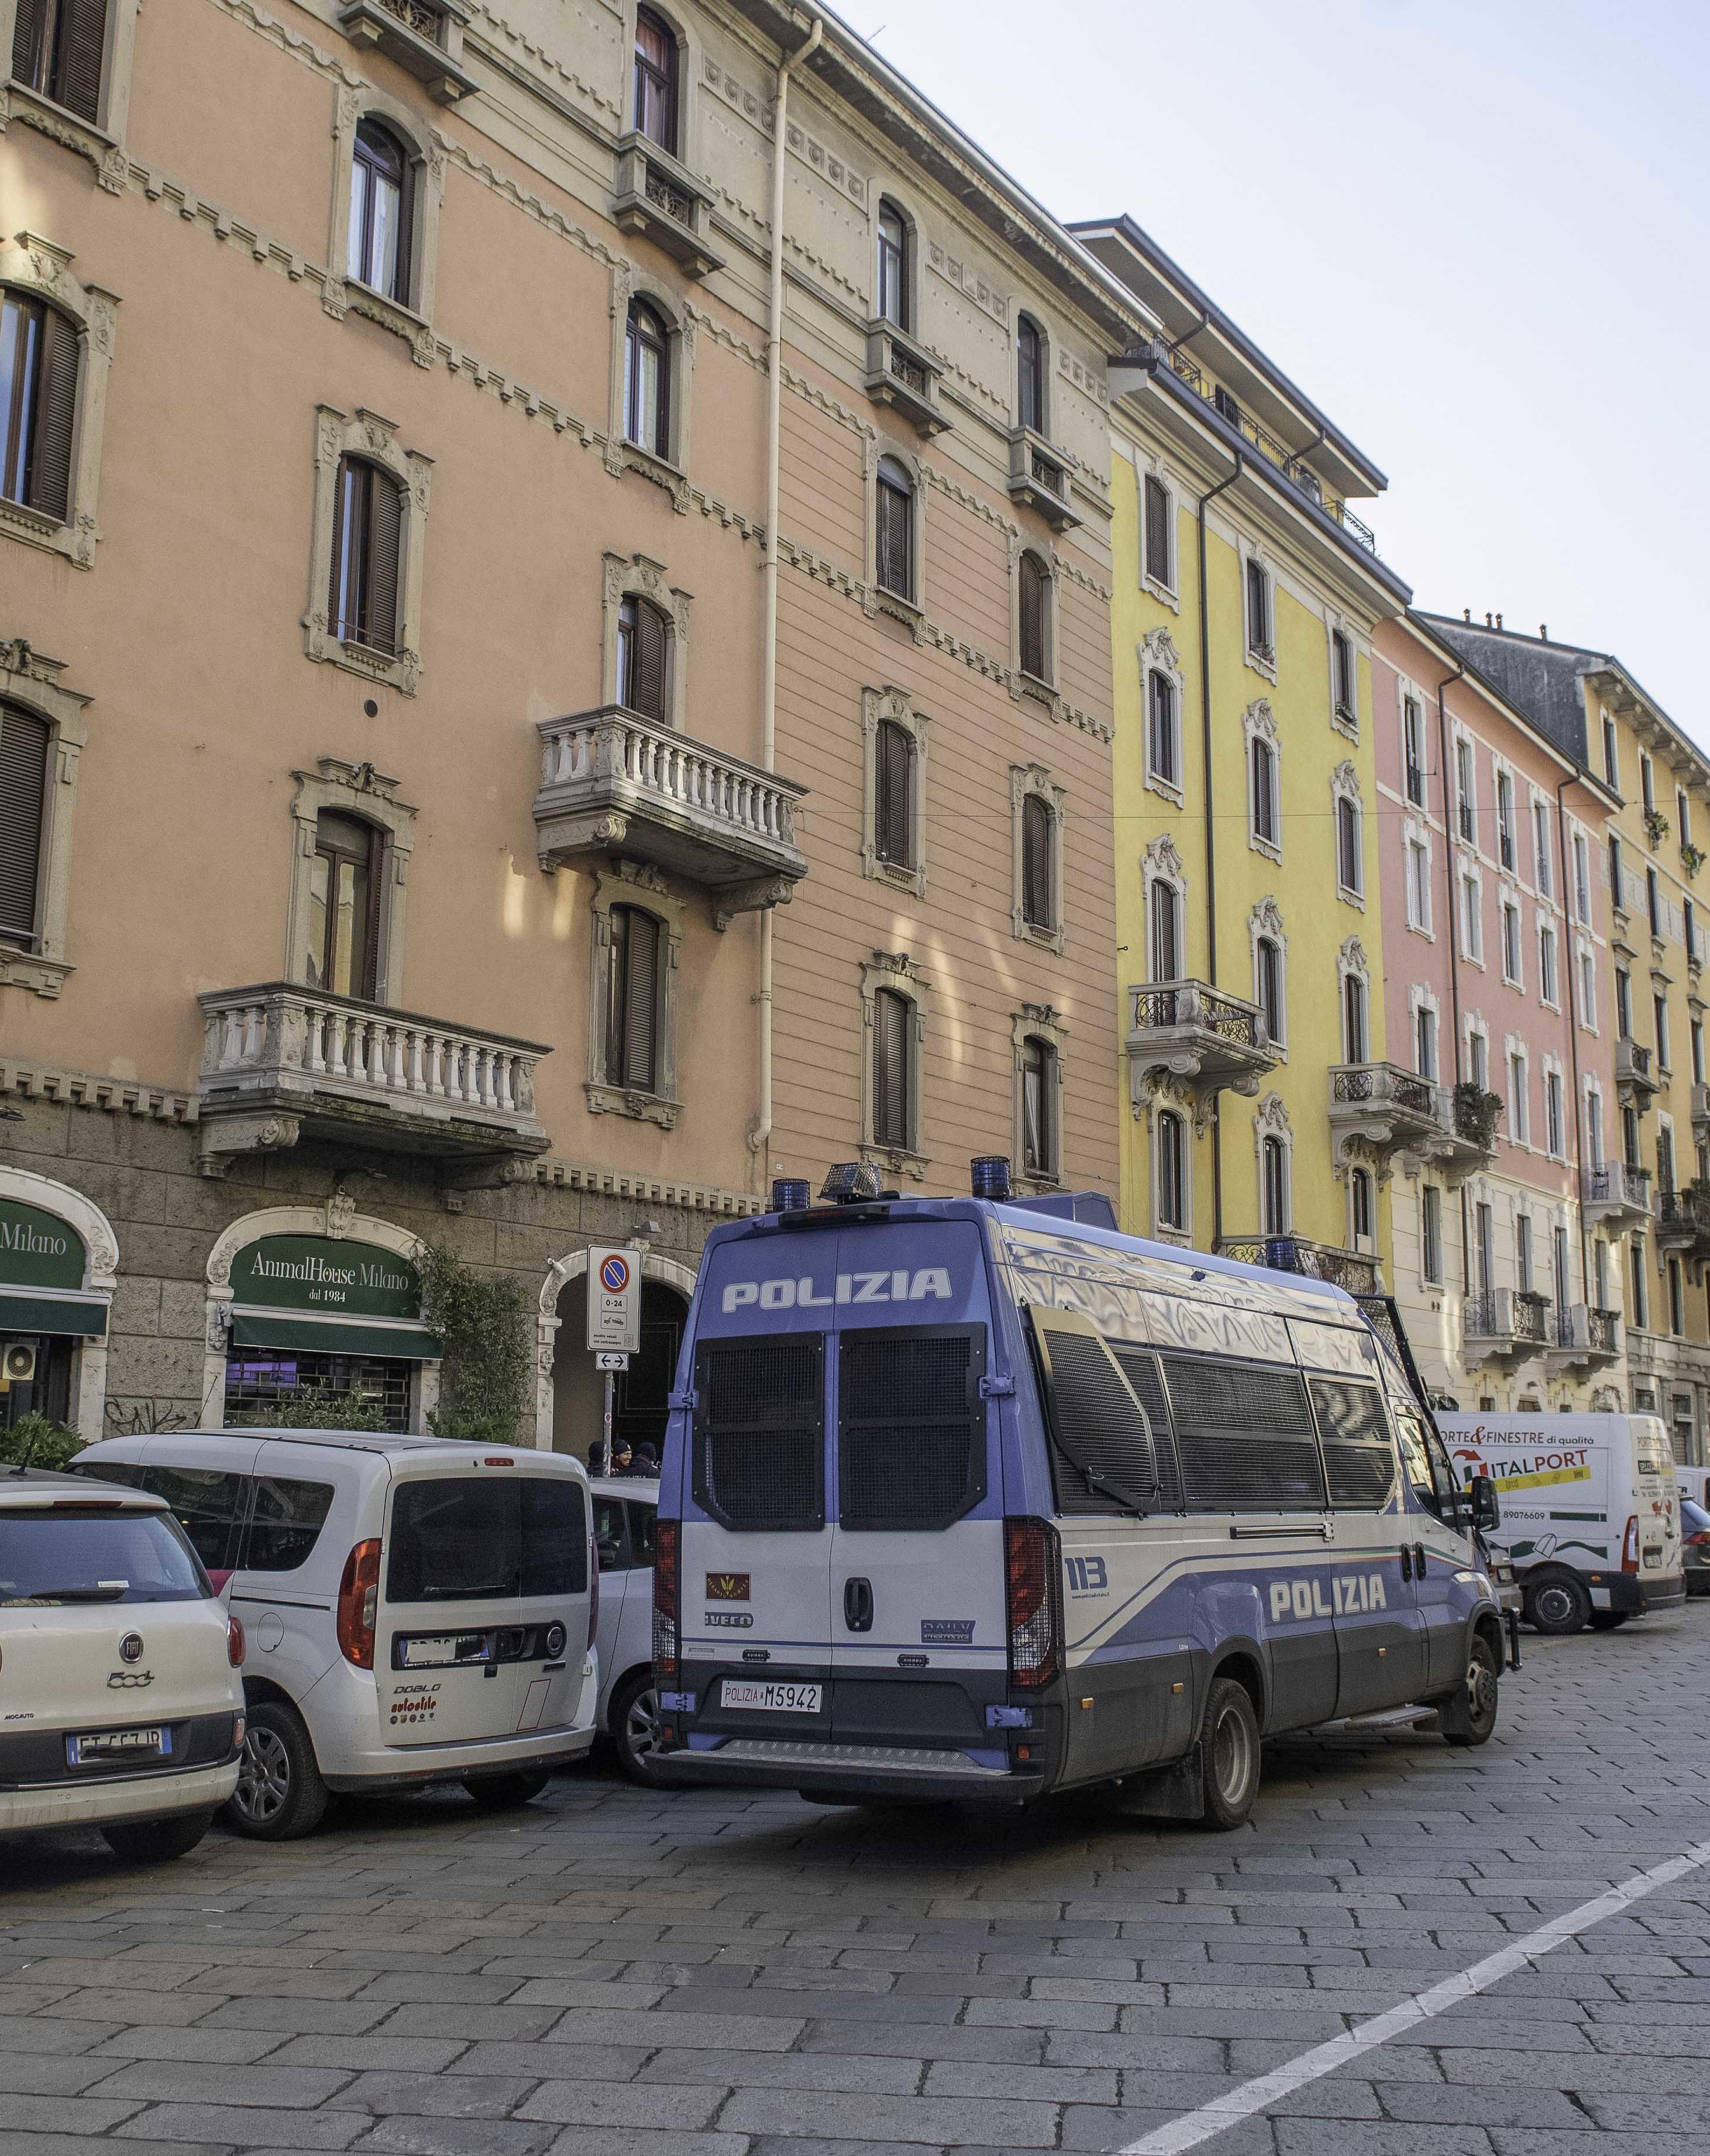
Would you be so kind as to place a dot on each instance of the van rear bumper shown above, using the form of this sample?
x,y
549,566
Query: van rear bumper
x,y
112,1802
1635,1593
396,1768
864,1770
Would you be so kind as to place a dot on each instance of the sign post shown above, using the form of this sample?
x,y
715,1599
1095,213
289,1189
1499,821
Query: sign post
x,y
613,1324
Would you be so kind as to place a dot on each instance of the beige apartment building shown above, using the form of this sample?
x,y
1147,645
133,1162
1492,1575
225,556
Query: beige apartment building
x,y
488,760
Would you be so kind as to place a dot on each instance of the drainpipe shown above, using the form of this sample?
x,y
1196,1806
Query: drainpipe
x,y
1573,1037
1211,832
1449,828
759,1137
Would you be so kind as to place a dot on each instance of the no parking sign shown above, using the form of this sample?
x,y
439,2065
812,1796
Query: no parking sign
x,y
615,1300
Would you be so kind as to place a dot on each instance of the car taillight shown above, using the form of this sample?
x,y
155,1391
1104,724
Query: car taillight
x,y
359,1604
1031,1584
1630,1546
234,1641
667,1553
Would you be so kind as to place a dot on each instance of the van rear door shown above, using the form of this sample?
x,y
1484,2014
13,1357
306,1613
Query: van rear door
x,y
1656,1500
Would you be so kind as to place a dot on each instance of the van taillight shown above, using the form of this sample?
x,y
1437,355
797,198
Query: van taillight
x,y
666,1569
359,1604
1630,1546
1030,1587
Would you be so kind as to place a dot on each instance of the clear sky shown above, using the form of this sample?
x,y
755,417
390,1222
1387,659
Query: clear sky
x,y
1476,234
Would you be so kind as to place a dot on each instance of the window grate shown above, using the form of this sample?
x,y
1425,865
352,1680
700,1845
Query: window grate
x,y
911,1428
1245,1437
759,1456
1360,1461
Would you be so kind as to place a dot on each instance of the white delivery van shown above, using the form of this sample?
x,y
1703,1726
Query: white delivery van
x,y
416,1611
120,1705
1590,1515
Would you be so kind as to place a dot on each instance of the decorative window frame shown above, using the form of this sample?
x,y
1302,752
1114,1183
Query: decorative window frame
x,y
1515,1050
1270,1120
1544,926
31,680
1249,551
1259,723
1336,624
1422,997
900,198
1508,909
1351,963
103,142
1366,1244
1042,686
1473,1027
1585,1007
1471,917
1157,655
1048,362
1550,892
1165,1102
1427,1279
1033,781
1416,833
23,1186
1265,919
358,790
30,264
896,970
374,439
635,576
897,707
628,281
1552,1068
1038,1022
1503,773
1460,738
1162,863
1168,592
691,60
879,598
1408,691
1344,786
342,294
632,883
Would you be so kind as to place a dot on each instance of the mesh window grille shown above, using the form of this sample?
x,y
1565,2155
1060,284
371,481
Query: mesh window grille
x,y
1106,1460
911,1434
760,1432
1244,1436
1360,1461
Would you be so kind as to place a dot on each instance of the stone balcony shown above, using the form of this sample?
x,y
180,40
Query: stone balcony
x,y
423,37
1636,1071
1506,1325
1190,1035
1378,1109
1615,1196
904,376
1585,1338
1701,1111
615,785
1355,1271
281,1063
661,199
1039,479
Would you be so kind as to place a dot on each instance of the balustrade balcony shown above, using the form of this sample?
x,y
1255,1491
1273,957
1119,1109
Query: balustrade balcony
x,y
1189,1033
614,784
424,37
1586,1338
1616,1196
281,1063
1683,1221
1506,1325
1636,1071
1353,1270
1039,479
661,198
1379,1109
904,376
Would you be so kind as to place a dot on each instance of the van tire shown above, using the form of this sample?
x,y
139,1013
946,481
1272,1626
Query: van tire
x,y
280,1795
1558,1606
1228,1753
1469,1715
1608,1621
157,1841
632,1721
504,1792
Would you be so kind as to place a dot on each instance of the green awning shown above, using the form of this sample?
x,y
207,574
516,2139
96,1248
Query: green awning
x,y
42,1312
334,1336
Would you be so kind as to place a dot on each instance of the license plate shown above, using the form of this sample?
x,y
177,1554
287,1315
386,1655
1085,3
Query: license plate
x,y
442,1650
771,1698
108,1744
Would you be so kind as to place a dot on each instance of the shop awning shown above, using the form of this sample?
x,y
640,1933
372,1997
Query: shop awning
x,y
334,1335
41,1310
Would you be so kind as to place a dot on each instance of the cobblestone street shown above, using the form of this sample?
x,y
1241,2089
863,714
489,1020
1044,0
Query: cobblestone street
x,y
613,1973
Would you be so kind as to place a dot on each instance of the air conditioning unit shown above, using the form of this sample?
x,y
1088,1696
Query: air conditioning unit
x,y
18,1363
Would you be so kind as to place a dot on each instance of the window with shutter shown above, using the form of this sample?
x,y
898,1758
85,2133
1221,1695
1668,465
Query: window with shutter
x,y
893,1106
1347,846
1264,792
893,795
895,534
1353,1017
1157,532
1161,730
1038,836
1029,374
644,644
647,379
59,47
1270,987
1039,1083
1166,932
1172,1170
38,362
24,741
1035,595
367,549
1258,611
1273,1186
631,1008
655,80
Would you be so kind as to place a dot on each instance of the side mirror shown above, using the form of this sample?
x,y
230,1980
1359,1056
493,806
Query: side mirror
x,y
1486,1511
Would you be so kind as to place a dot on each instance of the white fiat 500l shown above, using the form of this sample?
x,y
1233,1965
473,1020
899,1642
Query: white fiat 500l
x,y
418,1611
121,1707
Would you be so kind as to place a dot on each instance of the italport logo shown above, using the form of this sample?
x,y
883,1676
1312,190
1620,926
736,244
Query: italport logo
x,y
926,1284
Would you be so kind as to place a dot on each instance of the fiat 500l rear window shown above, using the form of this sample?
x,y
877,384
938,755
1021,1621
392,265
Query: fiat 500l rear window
x,y
470,1540
73,1557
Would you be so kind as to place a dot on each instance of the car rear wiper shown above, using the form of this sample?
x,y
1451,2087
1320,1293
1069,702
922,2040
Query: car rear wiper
x,y
107,1591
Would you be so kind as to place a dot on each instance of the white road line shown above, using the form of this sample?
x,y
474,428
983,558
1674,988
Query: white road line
x,y
1224,2111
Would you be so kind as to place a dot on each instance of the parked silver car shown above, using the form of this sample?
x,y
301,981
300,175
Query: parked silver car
x,y
624,1512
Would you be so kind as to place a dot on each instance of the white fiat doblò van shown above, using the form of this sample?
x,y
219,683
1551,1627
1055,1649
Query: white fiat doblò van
x,y
416,1611
120,1705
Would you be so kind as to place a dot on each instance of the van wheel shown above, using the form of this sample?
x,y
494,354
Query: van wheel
x,y
1229,1752
504,1792
1608,1620
633,1719
279,1795
1469,1716
1558,1606
157,1842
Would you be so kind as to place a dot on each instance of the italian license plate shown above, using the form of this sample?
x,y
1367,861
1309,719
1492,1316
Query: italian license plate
x,y
773,1698
440,1650
102,1746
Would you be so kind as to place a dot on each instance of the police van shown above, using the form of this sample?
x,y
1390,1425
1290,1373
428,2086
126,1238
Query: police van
x,y
978,1499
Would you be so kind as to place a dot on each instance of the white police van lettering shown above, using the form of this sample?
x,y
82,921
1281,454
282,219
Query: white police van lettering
x,y
1304,1598
926,1284
1087,1574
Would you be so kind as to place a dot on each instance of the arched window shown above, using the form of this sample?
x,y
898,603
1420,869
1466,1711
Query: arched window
x,y
1268,972
1034,592
1273,1194
1039,1083
59,48
1166,932
1039,840
633,1000
643,657
1264,814
1172,1170
1164,750
341,924
381,184
655,80
894,543
1029,375
1349,868
893,794
1360,1208
24,741
1353,1017
893,1103
368,555
37,403
894,266
647,379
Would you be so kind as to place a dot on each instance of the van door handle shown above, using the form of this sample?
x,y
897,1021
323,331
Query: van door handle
x,y
858,1605
1419,1560
1406,1562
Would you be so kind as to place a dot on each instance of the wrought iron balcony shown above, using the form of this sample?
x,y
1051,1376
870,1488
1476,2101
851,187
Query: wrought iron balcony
x,y
1353,1270
614,784
1617,1196
1635,1070
1385,1109
424,37
1191,1034
1683,1220
1701,1111
281,1063
1038,478
1506,1324
1585,1338
904,376
663,201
